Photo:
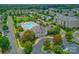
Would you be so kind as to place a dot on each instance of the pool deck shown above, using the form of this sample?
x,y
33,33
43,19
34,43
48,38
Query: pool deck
x,y
28,25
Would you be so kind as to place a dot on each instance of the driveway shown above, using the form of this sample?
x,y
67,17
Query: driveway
x,y
38,46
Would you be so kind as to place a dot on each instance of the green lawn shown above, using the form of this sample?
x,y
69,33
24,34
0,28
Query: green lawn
x,y
22,19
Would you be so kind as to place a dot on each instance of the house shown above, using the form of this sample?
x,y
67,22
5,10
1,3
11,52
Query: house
x,y
52,11
66,21
76,36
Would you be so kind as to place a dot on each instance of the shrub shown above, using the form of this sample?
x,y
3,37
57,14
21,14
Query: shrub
x,y
5,27
46,44
54,31
28,46
57,39
69,36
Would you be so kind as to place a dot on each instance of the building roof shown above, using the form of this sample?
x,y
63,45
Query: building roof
x,y
67,18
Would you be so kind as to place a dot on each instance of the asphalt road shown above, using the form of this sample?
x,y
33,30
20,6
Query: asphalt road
x,y
11,36
38,46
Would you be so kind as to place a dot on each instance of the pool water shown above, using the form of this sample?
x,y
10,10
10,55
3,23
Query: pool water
x,y
29,25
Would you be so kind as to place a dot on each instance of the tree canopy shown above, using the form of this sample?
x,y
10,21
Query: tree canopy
x,y
54,31
28,35
4,43
28,46
5,27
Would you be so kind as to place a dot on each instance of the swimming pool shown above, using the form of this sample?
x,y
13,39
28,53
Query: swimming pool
x,y
29,25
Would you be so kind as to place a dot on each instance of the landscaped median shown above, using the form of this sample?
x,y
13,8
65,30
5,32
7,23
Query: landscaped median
x,y
26,42
19,44
46,50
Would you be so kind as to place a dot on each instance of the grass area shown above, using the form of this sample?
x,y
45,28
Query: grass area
x,y
42,49
22,19
77,36
21,43
76,42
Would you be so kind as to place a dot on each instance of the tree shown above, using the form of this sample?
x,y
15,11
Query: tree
x,y
77,14
28,35
4,43
17,34
20,28
4,21
68,29
5,18
0,34
14,19
5,27
57,39
28,46
2,10
66,14
69,36
57,49
54,31
46,44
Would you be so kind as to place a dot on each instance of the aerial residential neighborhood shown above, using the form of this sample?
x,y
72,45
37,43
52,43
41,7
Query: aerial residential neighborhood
x,y
39,29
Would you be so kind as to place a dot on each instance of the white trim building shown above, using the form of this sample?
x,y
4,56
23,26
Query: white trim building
x,y
66,21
